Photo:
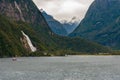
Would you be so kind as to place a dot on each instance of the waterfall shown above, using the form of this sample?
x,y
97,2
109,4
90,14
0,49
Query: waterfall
x,y
33,49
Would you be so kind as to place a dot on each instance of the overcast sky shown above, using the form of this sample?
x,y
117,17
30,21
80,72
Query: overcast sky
x,y
64,9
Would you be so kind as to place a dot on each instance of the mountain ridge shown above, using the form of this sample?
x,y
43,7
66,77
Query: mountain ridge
x,y
55,25
35,26
101,23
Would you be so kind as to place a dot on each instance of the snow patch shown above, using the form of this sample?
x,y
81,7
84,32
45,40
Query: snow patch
x,y
41,10
33,49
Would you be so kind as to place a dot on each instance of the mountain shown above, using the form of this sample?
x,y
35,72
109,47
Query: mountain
x,y
24,16
61,28
26,11
55,25
24,32
11,38
101,23
11,44
71,25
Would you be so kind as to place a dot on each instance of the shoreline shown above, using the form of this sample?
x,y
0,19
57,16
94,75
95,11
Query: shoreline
x,y
60,56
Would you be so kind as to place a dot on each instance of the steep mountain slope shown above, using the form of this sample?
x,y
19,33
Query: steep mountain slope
x,y
12,41
26,11
19,9
55,25
101,23
27,15
9,42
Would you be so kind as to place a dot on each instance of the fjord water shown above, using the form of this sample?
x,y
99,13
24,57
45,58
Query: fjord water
x,y
61,68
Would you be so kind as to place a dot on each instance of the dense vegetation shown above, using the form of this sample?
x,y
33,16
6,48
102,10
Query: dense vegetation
x,y
31,21
9,39
51,44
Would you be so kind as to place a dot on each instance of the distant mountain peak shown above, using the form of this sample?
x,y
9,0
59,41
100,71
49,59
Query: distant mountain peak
x,y
70,25
74,20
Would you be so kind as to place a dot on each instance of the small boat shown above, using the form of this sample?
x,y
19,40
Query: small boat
x,y
14,59
66,55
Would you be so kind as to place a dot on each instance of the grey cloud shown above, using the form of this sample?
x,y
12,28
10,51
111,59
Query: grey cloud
x,y
64,9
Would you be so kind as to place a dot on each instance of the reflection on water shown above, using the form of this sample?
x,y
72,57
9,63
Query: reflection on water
x,y
61,68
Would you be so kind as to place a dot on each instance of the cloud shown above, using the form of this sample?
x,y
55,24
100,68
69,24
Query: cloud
x,y
70,6
64,9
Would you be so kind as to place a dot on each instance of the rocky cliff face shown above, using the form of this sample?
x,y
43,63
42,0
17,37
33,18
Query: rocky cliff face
x,y
22,10
101,23
21,14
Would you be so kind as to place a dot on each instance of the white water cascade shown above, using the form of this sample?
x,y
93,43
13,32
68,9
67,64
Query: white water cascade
x,y
21,15
33,49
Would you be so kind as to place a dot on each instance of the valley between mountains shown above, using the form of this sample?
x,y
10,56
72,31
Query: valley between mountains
x,y
27,31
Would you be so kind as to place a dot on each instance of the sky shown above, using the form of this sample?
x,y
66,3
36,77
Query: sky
x,y
64,9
